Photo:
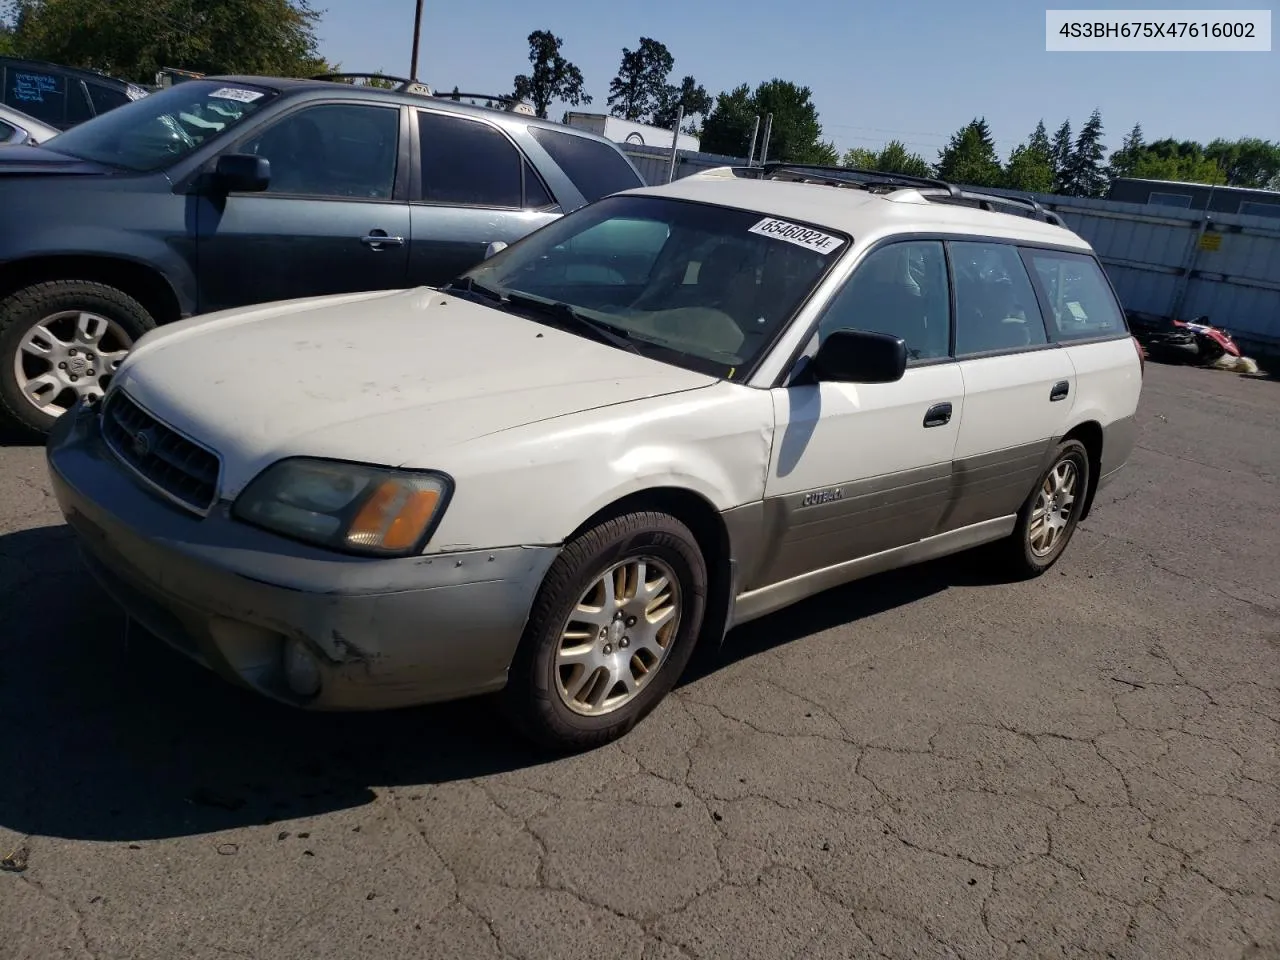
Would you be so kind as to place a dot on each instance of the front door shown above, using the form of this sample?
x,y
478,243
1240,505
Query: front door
x,y
1018,387
861,468
329,222
475,188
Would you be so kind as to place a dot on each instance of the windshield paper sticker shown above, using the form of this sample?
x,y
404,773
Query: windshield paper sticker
x,y
234,93
805,237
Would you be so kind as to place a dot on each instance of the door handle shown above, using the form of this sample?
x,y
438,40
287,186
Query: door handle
x,y
938,414
1059,391
377,239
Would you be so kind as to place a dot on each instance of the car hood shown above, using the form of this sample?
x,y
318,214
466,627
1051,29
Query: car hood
x,y
44,161
390,377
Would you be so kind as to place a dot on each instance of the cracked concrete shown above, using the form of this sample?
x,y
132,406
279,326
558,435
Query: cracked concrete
x,y
933,764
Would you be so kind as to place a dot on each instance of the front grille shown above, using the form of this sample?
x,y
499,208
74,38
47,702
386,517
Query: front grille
x,y
180,469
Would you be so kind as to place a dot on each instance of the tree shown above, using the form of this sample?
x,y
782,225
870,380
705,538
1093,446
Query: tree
x,y
1030,165
1083,175
1061,155
859,158
456,96
1248,162
690,95
134,40
6,39
1122,162
1183,160
970,156
796,136
640,86
552,78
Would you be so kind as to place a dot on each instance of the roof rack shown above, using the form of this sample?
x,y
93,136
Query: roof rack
x,y
986,201
853,176
403,85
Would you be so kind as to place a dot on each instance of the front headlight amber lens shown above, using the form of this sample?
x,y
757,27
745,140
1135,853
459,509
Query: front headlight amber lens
x,y
351,507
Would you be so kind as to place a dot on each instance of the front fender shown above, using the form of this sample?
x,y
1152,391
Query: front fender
x,y
537,484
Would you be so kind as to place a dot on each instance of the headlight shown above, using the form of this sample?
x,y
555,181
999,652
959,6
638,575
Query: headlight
x,y
346,506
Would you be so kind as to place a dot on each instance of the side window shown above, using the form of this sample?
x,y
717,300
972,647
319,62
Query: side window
x,y
7,131
335,151
468,163
1081,303
106,98
899,289
37,94
596,169
996,306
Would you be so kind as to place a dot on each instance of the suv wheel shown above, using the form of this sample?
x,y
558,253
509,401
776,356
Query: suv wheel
x,y
61,341
1051,512
610,632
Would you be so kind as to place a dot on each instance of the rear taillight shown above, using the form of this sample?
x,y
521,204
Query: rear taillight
x,y
1142,357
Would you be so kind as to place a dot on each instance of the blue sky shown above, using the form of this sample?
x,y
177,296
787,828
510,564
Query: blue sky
x,y
914,70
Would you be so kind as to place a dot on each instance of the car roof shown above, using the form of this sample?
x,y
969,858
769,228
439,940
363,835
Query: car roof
x,y
291,85
862,212
78,72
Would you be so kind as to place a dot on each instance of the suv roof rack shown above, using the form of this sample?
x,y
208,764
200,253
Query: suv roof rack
x,y
852,176
507,102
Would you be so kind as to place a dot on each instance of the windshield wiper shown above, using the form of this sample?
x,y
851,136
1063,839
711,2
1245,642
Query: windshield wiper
x,y
615,336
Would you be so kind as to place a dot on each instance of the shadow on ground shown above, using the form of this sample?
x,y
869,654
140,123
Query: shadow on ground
x,y
107,734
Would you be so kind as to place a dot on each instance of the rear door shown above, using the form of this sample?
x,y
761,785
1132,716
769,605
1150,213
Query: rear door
x,y
472,187
333,220
1087,319
1019,387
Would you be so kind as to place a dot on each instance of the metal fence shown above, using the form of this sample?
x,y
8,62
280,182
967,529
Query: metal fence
x,y
1164,261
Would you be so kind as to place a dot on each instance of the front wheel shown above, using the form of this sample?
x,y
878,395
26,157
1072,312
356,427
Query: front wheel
x,y
61,341
610,632
1051,512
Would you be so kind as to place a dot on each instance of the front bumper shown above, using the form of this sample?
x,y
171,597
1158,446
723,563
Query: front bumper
x,y
384,633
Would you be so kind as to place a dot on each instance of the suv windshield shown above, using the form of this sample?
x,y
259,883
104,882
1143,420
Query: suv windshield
x,y
701,286
157,130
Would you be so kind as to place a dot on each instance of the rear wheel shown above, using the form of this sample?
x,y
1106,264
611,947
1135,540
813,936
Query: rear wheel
x,y
611,630
61,341
1051,512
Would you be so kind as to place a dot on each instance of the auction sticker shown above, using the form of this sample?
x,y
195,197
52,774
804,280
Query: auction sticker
x,y
237,94
805,237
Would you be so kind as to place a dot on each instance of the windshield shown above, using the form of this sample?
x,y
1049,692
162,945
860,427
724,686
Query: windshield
x,y
157,130
701,286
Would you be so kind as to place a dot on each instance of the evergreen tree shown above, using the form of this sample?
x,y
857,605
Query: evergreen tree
x,y
1122,162
1085,176
970,157
1061,156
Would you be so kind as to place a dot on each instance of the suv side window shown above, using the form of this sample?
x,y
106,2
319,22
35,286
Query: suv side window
x,y
996,305
7,130
78,108
106,98
334,151
596,169
899,289
37,93
470,163
1080,300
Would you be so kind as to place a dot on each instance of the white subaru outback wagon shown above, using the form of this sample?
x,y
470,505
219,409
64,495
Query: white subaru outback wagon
x,y
675,410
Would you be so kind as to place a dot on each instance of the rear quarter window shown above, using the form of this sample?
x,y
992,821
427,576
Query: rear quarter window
x,y
1080,300
106,98
596,169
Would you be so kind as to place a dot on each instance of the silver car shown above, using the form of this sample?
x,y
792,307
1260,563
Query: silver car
x,y
18,128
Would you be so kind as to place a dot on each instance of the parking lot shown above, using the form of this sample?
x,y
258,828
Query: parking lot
x,y
933,763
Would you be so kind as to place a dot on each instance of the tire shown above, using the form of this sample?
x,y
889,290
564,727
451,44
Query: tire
x,y
115,318
541,686
1026,559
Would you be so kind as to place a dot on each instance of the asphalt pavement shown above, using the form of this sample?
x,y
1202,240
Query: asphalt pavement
x,y
934,763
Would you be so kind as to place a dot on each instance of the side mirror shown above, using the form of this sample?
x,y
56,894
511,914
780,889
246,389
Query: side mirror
x,y
856,356
496,247
242,173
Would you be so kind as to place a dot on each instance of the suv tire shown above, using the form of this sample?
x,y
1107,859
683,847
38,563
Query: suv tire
x,y
81,320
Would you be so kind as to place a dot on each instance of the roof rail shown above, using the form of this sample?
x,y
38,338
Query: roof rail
x,y
403,84
855,176
986,201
